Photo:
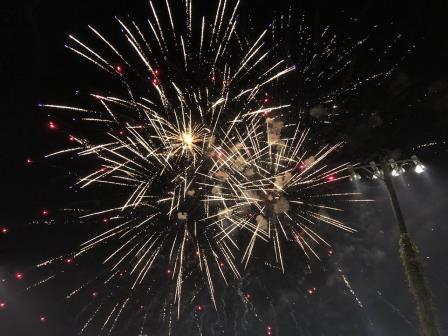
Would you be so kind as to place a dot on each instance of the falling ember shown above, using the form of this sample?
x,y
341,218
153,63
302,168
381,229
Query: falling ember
x,y
19,276
199,308
68,260
44,212
29,161
52,125
42,319
331,178
4,230
2,305
119,69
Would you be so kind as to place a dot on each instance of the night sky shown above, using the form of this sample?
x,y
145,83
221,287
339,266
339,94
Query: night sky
x,y
406,115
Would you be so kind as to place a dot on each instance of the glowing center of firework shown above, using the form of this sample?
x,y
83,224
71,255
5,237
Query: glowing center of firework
x,y
188,139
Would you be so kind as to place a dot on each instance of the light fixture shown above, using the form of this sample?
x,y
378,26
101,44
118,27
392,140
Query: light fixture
x,y
396,170
377,173
354,176
419,167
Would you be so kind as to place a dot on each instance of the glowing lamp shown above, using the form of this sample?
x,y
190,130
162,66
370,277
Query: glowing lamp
x,y
396,170
354,176
419,167
377,173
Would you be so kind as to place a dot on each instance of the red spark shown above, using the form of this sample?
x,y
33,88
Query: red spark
x,y
197,252
42,318
221,264
330,253
105,220
330,178
119,69
247,296
94,294
71,138
265,100
168,271
44,212
312,290
29,161
19,276
4,230
121,132
2,305
154,81
199,308
52,125
156,72
68,260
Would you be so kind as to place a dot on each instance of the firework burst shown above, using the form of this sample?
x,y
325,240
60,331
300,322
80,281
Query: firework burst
x,y
200,153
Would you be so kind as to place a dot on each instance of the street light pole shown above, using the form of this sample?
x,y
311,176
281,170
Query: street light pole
x,y
408,250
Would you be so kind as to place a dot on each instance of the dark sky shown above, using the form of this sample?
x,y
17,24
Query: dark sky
x,y
412,109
